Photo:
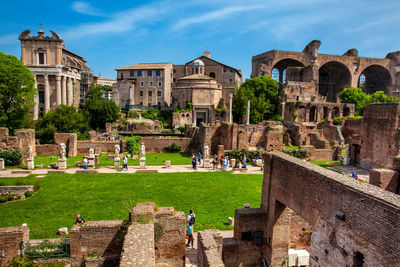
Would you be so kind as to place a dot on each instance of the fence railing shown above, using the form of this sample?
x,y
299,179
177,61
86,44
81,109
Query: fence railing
x,y
48,248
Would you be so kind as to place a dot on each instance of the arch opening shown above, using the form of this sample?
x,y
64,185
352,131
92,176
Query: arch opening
x,y
333,78
376,78
212,75
282,66
335,112
313,114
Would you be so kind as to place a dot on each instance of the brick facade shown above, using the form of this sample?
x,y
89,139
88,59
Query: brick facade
x,y
10,243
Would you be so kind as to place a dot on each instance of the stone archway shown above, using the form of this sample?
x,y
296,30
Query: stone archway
x,y
346,111
212,75
375,78
335,112
333,78
313,114
282,65
326,113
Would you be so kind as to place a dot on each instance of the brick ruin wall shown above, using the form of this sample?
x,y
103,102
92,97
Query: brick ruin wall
x,y
20,141
10,243
348,218
100,238
209,249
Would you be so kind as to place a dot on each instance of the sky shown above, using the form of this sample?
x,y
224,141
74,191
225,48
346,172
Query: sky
x,y
111,34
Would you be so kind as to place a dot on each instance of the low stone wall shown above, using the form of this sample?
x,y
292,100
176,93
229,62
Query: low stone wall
x,y
47,150
103,146
15,189
158,144
209,249
10,243
138,249
104,238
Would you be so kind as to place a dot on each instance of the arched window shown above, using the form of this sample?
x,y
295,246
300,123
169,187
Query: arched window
x,y
212,75
275,74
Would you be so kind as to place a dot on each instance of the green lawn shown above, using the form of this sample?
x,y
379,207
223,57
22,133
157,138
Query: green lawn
x,y
181,158
213,196
327,163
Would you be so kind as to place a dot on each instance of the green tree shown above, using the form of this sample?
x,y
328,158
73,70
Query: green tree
x,y
264,96
360,99
64,119
98,109
16,92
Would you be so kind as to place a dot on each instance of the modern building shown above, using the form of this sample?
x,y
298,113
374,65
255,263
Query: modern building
x,y
58,72
144,85
105,81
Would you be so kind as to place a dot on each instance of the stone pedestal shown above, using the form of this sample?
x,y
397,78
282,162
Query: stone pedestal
x,y
167,164
62,164
116,163
143,163
206,163
233,163
2,165
31,164
91,162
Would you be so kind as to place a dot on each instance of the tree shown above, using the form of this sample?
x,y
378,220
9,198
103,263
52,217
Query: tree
x,y
16,92
64,119
98,109
264,96
360,99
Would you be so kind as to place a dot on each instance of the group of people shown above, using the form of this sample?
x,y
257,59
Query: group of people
x,y
354,175
196,160
85,162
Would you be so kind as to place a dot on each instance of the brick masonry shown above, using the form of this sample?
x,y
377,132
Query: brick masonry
x,y
10,243
347,217
209,249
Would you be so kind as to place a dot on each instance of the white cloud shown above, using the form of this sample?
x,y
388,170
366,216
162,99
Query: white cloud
x,y
121,21
86,8
214,15
8,39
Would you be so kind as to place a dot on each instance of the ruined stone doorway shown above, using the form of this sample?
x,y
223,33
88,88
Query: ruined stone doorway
x,y
355,157
335,112
200,117
376,78
326,113
313,114
291,235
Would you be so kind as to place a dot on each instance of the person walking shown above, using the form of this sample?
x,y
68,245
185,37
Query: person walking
x,y
190,236
215,162
191,218
199,156
125,164
194,161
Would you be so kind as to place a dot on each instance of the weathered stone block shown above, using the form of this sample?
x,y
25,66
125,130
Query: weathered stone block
x,y
385,179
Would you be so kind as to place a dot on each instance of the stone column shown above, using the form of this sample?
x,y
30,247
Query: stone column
x,y
36,100
46,93
64,90
248,113
230,107
58,89
193,118
69,92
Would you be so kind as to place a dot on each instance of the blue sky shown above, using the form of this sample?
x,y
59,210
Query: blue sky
x,y
111,34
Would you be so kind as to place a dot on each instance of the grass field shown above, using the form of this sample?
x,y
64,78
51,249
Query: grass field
x,y
213,196
181,158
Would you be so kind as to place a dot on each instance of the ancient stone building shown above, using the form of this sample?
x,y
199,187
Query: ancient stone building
x,y
59,73
306,75
351,223
145,84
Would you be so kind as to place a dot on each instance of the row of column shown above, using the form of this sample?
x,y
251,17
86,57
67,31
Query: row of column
x,y
64,92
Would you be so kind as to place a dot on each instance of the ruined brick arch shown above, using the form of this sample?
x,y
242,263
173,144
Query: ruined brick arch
x,y
335,112
302,114
377,78
313,114
325,112
334,76
282,64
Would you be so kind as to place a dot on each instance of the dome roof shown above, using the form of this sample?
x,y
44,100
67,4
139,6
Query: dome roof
x,y
197,62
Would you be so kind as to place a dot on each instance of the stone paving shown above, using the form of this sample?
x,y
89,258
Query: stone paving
x,y
134,169
191,253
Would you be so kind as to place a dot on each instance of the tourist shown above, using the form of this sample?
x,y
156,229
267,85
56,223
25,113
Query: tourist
x,y
244,158
215,162
356,177
85,163
239,165
199,157
125,164
190,235
194,161
79,220
191,218
353,175
245,165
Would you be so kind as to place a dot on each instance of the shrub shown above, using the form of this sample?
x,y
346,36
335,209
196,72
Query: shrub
x,y
28,193
181,129
20,182
277,118
173,148
11,158
133,114
238,154
133,144
299,153
2,183
338,120
36,186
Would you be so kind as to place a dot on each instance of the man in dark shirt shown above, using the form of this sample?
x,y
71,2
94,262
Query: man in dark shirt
x,y
79,219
